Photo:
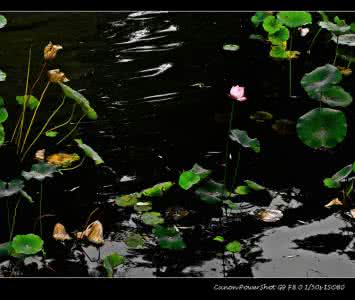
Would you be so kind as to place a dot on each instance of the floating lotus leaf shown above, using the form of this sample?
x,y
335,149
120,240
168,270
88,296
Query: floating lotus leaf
x,y
2,76
271,24
268,215
63,160
112,261
89,152
152,218
2,134
32,102
143,206
233,247
28,244
284,126
243,139
259,17
127,200
261,116
219,238
211,192
334,202
279,36
320,78
135,241
254,186
13,187
242,190
294,19
169,238
60,234
322,127
158,190
231,47
40,171
188,179
80,99
334,28
52,133
335,96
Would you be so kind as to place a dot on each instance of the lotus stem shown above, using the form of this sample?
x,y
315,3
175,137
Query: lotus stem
x,y
227,146
313,40
34,116
336,51
290,69
236,167
66,122
43,128
73,129
14,219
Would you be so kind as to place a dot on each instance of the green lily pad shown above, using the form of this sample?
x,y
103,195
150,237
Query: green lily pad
x,y
242,190
152,218
271,24
89,152
32,102
112,261
345,39
40,171
2,76
219,238
3,21
334,28
188,179
243,139
261,116
143,206
294,19
322,127
158,190
80,99
259,17
161,231
135,241
2,134
233,247
279,36
13,187
127,200
254,186
231,47
211,192
28,244
52,133
335,96
330,183
320,78
169,238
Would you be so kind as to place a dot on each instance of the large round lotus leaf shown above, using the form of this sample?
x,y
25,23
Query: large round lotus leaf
x,y
2,134
322,127
2,76
243,139
28,244
320,78
31,101
3,21
335,96
294,19
259,17
334,28
345,39
279,36
152,218
271,24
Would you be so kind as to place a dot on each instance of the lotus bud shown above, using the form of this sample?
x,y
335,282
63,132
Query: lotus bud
x,y
303,31
237,93
50,51
56,76
60,234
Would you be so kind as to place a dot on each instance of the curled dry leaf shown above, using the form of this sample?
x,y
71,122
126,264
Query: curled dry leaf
x,y
345,71
57,76
50,51
334,202
62,159
93,233
40,155
60,234
268,215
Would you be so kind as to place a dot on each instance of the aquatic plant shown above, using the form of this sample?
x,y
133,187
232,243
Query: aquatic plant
x,y
169,238
112,261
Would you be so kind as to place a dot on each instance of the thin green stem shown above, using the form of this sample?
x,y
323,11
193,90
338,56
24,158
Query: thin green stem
x,y
34,116
43,128
290,69
71,131
236,167
66,122
14,219
75,167
313,40
227,146
336,51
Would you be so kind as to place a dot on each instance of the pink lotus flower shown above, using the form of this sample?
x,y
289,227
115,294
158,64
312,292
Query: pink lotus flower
x,y
237,93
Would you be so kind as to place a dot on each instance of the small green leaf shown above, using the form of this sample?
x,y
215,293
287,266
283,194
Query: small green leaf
x,y
28,244
135,241
127,200
294,19
143,206
330,183
3,114
231,47
254,186
243,139
158,190
242,190
89,152
3,21
187,179
31,101
271,24
112,261
152,218
52,133
233,247
219,238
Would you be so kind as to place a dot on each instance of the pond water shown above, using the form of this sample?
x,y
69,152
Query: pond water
x,y
159,83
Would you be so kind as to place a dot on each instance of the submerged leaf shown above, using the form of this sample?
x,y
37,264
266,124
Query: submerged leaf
x,y
89,152
284,126
152,218
261,116
243,139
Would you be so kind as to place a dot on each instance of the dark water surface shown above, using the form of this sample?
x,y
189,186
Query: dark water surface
x,y
159,83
